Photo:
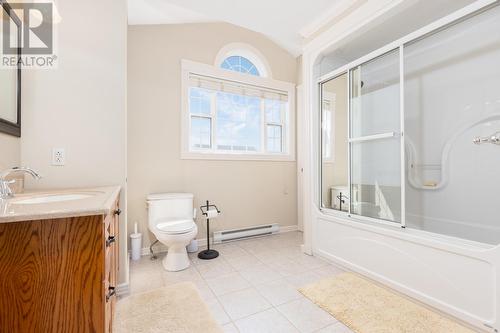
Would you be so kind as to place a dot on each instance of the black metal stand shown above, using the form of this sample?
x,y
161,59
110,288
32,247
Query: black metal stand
x,y
208,253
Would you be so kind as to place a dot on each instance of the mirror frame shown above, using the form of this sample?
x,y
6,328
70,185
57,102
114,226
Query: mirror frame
x,y
6,126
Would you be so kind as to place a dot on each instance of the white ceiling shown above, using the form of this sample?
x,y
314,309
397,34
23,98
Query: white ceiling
x,y
280,20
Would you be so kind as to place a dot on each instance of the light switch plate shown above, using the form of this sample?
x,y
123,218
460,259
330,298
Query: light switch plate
x,y
58,156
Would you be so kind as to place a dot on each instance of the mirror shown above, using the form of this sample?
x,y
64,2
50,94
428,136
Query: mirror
x,y
334,136
10,72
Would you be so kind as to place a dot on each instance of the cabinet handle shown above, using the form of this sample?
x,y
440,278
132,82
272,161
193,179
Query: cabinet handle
x,y
110,240
111,293
118,211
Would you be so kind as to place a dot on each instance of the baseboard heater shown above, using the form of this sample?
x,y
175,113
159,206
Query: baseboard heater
x,y
235,234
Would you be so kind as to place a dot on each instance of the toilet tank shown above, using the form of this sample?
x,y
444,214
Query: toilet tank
x,y
169,206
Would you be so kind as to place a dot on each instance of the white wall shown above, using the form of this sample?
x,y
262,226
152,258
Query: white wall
x,y
10,151
81,105
248,192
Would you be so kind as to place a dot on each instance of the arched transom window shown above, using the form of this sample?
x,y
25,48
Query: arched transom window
x,y
243,58
240,64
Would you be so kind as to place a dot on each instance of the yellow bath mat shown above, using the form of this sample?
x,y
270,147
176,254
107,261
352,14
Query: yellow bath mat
x,y
174,309
366,307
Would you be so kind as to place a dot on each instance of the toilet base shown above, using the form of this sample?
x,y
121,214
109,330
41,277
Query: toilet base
x,y
208,254
176,259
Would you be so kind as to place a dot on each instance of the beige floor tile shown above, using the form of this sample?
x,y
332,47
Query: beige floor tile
x,y
230,250
243,303
335,328
243,262
188,274
305,315
260,274
278,292
254,246
218,312
205,292
291,252
230,328
142,280
310,262
280,243
227,283
145,263
303,279
288,267
328,271
214,269
271,256
269,321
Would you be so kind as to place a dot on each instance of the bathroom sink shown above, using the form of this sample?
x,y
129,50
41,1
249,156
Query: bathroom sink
x,y
50,198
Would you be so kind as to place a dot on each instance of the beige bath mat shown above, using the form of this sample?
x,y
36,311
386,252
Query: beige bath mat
x,y
174,309
366,307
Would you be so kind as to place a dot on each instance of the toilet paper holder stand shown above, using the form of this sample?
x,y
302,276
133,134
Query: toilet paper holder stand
x,y
208,253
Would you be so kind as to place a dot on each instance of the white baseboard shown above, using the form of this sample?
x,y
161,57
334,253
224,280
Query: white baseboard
x,y
288,228
160,248
306,250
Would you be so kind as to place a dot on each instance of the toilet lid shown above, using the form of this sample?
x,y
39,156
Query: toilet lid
x,y
175,226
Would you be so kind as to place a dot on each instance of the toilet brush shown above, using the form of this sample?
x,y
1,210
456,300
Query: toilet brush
x,y
209,213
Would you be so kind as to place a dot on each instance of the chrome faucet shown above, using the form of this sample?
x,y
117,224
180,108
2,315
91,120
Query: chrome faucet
x,y
5,191
494,139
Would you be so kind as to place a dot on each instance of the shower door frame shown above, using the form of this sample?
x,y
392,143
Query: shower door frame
x,y
443,23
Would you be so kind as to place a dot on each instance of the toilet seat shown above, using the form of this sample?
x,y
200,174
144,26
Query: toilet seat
x,y
175,227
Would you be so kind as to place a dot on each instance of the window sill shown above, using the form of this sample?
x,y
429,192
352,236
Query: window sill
x,y
237,157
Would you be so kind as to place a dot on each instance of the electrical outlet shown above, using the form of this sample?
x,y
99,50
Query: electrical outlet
x,y
58,156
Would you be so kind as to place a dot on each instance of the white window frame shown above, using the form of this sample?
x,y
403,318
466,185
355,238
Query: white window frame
x,y
288,119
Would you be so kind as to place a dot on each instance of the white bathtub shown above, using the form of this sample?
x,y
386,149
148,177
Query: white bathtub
x,y
456,276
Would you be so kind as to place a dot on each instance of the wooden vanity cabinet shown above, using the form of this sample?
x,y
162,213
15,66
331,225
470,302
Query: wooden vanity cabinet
x,y
59,275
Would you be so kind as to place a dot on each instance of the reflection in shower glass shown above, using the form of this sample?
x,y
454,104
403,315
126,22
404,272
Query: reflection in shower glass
x,y
334,190
452,95
375,139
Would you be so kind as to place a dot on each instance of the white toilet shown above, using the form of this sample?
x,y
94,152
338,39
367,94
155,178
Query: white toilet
x,y
170,218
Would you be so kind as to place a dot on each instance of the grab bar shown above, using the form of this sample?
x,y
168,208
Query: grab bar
x,y
493,139
373,137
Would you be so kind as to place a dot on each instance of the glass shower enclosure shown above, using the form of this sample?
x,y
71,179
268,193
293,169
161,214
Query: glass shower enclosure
x,y
423,130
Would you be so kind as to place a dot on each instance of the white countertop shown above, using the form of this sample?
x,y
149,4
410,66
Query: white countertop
x,y
95,201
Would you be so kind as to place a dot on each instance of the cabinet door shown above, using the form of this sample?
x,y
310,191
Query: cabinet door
x,y
51,275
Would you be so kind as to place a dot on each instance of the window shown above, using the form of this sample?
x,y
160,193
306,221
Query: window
x,y
242,58
233,116
274,110
237,122
200,103
240,64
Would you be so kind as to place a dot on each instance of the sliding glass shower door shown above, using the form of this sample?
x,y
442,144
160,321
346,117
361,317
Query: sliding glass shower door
x,y
375,138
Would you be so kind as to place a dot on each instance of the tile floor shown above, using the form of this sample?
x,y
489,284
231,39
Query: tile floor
x,y
252,285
